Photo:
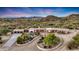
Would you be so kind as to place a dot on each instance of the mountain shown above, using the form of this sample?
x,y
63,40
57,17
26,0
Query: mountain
x,y
54,18
19,18
71,22
47,18
73,17
51,18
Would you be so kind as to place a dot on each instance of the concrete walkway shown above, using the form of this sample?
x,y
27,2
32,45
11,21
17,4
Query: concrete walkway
x,y
11,41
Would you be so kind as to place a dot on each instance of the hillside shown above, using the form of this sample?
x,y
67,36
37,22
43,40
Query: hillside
x,y
73,17
71,22
51,18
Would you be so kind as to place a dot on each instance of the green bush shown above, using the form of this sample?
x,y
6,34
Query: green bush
x,y
37,33
19,40
50,40
0,40
22,39
74,44
76,39
4,31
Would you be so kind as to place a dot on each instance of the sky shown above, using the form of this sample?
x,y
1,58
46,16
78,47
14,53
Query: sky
x,y
37,11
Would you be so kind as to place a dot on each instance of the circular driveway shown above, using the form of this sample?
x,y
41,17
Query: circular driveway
x,y
32,46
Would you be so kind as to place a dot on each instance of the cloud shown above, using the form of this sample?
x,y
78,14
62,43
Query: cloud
x,y
69,13
14,13
32,11
45,11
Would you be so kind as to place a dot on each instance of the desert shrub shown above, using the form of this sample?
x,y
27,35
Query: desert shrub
x,y
74,44
22,39
0,40
50,40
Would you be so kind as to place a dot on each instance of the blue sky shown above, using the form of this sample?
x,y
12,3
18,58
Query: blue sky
x,y
37,11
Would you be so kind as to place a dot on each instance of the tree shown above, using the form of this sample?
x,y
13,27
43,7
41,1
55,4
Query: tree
x,y
0,40
25,37
4,31
74,43
50,40
22,39
19,40
76,39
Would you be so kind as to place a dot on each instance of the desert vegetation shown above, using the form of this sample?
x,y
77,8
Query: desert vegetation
x,y
0,40
74,44
4,31
24,38
49,41
70,22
